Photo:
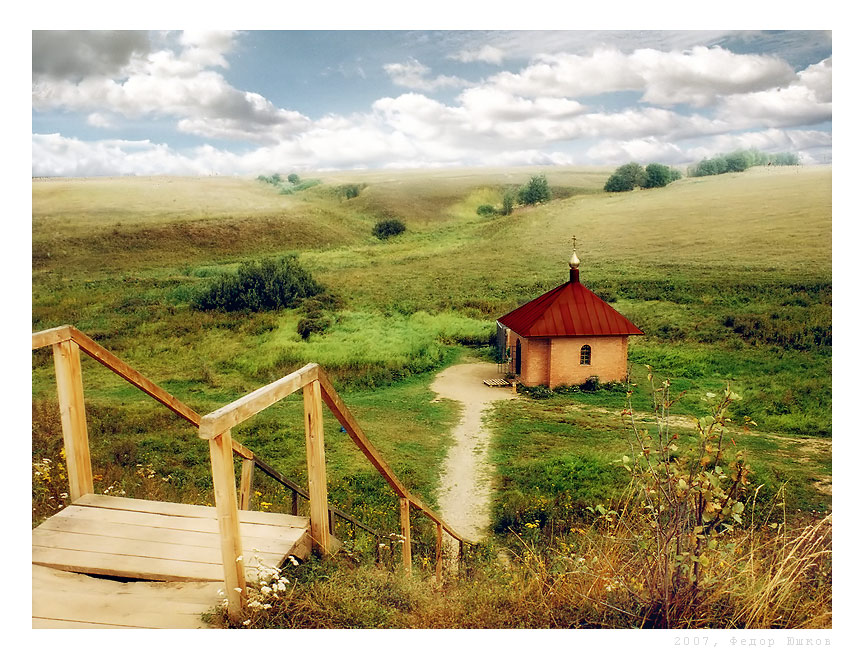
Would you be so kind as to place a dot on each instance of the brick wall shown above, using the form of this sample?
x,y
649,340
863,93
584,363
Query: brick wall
x,y
608,359
555,362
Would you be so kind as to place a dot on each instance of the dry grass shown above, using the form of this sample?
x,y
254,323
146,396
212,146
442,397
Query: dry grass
x,y
597,577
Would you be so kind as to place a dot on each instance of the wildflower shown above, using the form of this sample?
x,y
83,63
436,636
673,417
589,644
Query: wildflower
x,y
293,560
247,622
266,590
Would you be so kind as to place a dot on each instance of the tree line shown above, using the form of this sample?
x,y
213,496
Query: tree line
x,y
633,175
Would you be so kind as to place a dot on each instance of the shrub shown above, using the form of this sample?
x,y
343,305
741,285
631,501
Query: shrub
x,y
261,286
591,384
658,176
293,179
507,202
626,178
535,191
314,323
486,210
274,179
351,190
389,227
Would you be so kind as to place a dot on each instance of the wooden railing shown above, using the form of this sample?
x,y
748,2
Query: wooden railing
x,y
67,342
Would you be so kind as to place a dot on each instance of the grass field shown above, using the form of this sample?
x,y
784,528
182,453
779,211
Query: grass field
x,y
729,276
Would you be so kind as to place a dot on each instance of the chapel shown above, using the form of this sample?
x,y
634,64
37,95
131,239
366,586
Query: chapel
x,y
566,336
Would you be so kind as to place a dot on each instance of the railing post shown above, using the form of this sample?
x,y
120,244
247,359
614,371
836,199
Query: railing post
x,y
405,518
225,492
439,559
70,395
247,475
316,466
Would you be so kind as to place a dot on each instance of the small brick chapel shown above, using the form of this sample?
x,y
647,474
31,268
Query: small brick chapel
x,y
566,336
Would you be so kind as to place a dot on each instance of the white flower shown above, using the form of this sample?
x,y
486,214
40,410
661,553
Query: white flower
x,y
247,622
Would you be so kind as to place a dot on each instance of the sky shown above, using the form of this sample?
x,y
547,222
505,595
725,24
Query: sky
x,y
247,102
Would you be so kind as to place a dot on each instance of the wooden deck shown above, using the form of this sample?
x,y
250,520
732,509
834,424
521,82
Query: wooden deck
x,y
152,541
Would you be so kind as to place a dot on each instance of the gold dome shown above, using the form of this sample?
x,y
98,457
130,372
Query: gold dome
x,y
574,261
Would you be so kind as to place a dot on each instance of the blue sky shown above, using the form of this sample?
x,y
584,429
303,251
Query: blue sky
x,y
247,102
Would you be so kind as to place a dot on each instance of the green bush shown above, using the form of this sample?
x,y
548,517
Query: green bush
x,y
626,178
312,324
260,286
507,202
486,210
389,227
658,176
535,191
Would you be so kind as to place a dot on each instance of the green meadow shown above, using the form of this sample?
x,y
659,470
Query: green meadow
x,y
729,276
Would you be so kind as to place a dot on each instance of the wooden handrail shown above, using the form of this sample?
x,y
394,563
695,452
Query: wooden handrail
x,y
241,409
344,416
121,368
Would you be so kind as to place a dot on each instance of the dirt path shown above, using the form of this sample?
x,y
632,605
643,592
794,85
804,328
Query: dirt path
x,y
464,494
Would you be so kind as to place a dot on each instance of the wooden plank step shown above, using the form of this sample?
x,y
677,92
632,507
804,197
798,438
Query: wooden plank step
x,y
186,510
496,382
168,536
62,600
161,541
144,548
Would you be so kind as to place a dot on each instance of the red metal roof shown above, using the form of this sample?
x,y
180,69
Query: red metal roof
x,y
568,310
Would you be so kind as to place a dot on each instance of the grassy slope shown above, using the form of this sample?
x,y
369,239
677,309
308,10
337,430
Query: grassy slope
x,y
121,258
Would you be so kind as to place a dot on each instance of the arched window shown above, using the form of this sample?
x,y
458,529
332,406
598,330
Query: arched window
x,y
585,355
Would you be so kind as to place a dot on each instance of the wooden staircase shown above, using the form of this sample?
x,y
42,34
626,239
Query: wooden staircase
x,y
185,559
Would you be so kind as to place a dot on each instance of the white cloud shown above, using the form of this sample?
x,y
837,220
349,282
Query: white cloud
x,y
55,155
487,53
100,120
806,101
414,75
166,84
698,76
642,150
208,47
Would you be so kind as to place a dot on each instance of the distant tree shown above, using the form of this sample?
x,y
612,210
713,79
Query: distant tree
x,y
389,227
535,191
785,159
293,179
626,178
737,162
352,190
657,175
711,167
273,179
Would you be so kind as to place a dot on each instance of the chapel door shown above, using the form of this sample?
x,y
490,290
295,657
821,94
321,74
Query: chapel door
x,y
518,357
